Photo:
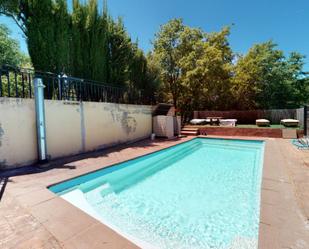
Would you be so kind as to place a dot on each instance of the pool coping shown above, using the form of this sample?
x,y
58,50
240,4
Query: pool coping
x,y
279,210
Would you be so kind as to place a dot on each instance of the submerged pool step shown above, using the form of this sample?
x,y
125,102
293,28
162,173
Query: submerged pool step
x,y
90,185
106,189
133,173
132,176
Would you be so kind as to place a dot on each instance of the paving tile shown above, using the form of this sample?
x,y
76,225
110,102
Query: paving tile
x,y
293,239
268,215
61,218
268,237
97,236
35,197
35,240
131,246
270,197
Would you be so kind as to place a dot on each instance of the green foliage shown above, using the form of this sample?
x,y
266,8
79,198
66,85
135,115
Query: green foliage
x,y
84,43
196,67
10,53
168,52
188,67
41,37
265,78
200,71
88,42
120,53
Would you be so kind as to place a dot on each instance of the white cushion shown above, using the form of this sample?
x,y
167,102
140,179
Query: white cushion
x,y
289,121
263,120
198,121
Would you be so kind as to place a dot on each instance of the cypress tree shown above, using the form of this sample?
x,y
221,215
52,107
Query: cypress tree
x,y
85,43
40,34
120,53
62,36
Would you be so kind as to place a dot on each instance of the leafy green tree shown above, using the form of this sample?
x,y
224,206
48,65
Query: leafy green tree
x,y
45,24
196,67
120,53
10,53
88,42
154,84
84,43
265,78
138,68
167,51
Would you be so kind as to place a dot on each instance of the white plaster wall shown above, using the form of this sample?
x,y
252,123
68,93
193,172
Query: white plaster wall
x,y
108,124
71,128
17,132
63,128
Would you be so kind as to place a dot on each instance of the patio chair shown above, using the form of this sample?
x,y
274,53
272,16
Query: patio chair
x,y
301,143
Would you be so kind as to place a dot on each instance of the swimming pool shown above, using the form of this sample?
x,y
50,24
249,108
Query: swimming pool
x,y
204,193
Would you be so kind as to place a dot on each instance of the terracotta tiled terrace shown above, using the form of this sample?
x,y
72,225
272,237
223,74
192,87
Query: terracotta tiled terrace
x,y
33,217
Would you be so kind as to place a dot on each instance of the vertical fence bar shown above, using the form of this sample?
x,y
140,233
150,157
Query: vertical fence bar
x,y
305,120
29,84
59,87
54,95
1,83
23,84
9,86
40,118
16,83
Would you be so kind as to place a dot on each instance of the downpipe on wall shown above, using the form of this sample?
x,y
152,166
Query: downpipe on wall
x,y
40,119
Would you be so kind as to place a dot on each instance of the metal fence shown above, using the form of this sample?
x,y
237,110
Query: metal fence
x,y
18,83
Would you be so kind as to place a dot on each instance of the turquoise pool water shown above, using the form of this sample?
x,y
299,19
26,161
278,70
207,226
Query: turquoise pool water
x,y
204,193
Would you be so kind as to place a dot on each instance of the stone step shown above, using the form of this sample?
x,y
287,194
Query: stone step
x,y
189,133
190,129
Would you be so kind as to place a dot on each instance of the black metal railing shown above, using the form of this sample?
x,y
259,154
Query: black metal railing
x,y
18,83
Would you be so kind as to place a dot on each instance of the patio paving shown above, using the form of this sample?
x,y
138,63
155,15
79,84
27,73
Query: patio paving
x,y
33,217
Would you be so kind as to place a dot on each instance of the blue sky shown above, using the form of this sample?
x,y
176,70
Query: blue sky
x,y
286,22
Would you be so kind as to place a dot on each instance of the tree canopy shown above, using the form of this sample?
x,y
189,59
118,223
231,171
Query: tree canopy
x,y
199,70
195,66
265,78
10,53
84,42
187,66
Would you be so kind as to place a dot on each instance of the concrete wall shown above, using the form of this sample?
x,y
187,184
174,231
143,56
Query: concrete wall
x,y
63,128
71,128
17,132
300,116
107,124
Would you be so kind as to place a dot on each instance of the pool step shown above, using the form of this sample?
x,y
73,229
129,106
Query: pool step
x,y
93,184
190,131
121,180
